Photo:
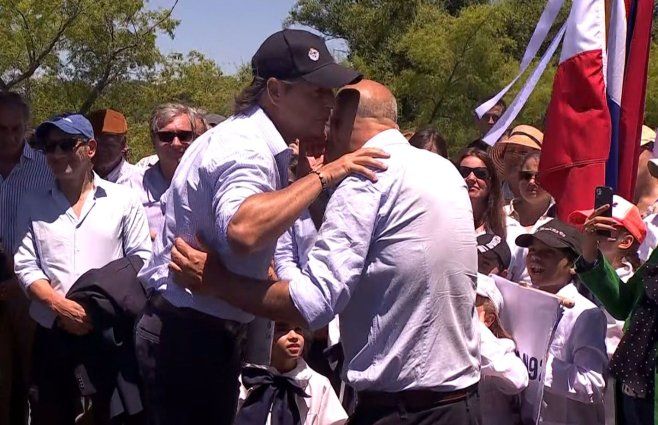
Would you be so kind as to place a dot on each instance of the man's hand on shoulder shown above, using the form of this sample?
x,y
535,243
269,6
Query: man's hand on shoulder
x,y
362,161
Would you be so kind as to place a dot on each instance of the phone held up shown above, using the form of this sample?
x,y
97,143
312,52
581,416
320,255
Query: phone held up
x,y
603,196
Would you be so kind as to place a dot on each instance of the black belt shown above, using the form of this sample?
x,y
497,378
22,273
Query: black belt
x,y
414,399
160,303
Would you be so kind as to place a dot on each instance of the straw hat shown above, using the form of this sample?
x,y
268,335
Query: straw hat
x,y
523,135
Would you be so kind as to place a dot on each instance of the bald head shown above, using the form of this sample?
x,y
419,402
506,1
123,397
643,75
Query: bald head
x,y
375,101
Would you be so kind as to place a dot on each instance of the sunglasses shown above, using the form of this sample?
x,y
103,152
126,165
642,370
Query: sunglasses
x,y
527,175
185,137
480,172
65,145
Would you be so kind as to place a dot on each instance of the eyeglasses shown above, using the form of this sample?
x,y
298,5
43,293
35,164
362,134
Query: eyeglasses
x,y
480,172
185,137
65,145
527,175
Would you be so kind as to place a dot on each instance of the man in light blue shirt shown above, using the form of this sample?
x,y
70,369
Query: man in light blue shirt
x,y
230,189
397,260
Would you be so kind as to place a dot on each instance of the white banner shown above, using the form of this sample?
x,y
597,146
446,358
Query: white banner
x,y
530,316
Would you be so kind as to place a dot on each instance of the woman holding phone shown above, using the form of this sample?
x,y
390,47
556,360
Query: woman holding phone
x,y
634,363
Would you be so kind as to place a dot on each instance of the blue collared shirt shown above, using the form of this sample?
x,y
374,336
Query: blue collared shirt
x,y
241,157
60,246
31,174
150,185
397,259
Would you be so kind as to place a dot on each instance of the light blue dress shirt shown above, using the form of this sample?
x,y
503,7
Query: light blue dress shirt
x,y
397,259
60,246
150,185
31,174
293,247
241,157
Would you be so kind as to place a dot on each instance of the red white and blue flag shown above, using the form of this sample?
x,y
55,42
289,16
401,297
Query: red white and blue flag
x,y
594,119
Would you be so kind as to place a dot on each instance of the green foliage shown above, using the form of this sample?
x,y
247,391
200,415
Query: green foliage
x,y
440,58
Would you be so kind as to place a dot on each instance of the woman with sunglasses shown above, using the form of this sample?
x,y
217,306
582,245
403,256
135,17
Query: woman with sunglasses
x,y
479,172
526,213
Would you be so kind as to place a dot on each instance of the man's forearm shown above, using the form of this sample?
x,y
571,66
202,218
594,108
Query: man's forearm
x,y
262,218
260,298
41,291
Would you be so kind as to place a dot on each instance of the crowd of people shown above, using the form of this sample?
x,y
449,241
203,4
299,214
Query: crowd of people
x,y
305,262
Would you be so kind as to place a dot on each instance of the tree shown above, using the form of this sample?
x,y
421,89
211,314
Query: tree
x,y
440,58
86,44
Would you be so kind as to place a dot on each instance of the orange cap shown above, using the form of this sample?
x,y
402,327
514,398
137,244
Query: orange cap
x,y
108,121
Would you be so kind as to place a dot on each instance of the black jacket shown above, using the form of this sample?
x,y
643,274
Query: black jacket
x,y
106,363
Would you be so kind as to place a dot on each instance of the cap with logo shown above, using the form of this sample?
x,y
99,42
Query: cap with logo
x,y
108,121
522,135
494,247
624,213
72,124
556,234
290,54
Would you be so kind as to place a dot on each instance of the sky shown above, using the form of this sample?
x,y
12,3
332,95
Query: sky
x,y
228,31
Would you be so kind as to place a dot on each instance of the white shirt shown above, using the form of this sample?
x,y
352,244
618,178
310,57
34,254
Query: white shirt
x,y
241,157
291,256
122,173
504,377
577,364
397,260
60,247
147,161
615,328
31,174
321,408
651,241
150,185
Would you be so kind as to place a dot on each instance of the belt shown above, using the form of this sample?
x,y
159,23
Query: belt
x,y
158,302
414,399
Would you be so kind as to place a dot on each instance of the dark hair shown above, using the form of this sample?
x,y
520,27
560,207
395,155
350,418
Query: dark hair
x,y
249,97
479,144
494,215
14,99
496,327
431,140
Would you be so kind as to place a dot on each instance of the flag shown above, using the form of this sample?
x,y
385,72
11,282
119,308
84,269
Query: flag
x,y
638,41
578,126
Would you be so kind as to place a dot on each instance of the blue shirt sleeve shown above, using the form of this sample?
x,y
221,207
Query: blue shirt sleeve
x,y
337,259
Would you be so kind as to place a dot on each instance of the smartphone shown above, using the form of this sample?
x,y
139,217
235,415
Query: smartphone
x,y
603,196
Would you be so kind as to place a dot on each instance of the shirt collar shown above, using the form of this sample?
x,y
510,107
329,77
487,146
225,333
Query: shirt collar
x,y
114,175
272,137
388,137
29,152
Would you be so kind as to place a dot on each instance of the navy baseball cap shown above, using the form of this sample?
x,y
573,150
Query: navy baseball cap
x,y
289,54
494,247
73,124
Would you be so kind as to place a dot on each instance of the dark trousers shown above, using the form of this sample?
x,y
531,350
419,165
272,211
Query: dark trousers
x,y
465,411
54,394
16,335
637,411
190,363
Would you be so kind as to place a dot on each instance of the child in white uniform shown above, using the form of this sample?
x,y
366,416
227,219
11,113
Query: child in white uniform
x,y
504,376
289,388
576,368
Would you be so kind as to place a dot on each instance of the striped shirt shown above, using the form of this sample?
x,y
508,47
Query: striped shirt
x,y
241,157
29,175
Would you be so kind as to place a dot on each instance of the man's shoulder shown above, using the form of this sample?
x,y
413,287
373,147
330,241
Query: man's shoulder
x,y
115,192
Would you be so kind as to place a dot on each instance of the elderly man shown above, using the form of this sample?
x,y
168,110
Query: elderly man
x,y
397,260
22,171
110,128
231,188
172,128
81,223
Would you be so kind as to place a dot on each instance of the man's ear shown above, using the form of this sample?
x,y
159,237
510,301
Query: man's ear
x,y
91,148
274,90
626,241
